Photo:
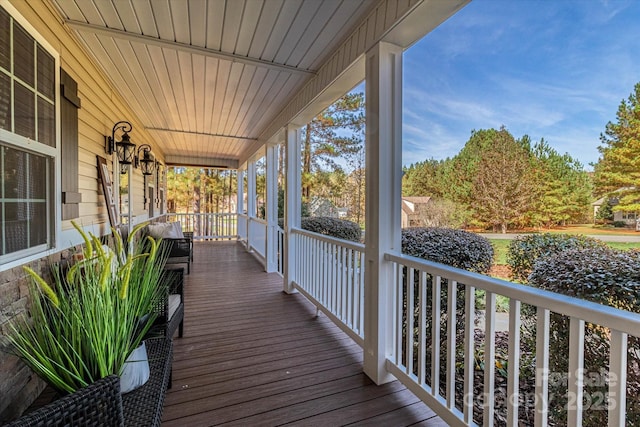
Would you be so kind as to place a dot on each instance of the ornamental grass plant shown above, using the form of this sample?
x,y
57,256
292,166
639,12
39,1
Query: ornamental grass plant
x,y
83,327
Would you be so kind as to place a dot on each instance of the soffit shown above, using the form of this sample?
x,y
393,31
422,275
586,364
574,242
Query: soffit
x,y
206,77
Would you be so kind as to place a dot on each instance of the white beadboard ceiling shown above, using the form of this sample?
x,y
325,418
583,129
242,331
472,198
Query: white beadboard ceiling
x,y
206,77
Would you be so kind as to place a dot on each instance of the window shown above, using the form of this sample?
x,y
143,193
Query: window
x,y
27,141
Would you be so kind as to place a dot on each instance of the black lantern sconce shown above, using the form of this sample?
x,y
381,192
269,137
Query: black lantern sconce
x,y
146,161
124,148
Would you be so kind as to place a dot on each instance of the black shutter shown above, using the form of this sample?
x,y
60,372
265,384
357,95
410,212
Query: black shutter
x,y
69,105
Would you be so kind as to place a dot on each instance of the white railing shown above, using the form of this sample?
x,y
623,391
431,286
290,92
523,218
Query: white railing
x,y
419,361
258,236
330,273
280,253
243,227
208,226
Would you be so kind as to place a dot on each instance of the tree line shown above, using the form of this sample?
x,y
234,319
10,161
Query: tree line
x,y
497,181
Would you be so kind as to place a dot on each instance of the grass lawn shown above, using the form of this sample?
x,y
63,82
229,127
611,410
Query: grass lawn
x,y
501,247
590,229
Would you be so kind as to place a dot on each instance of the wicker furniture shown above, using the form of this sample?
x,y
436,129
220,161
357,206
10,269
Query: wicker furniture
x,y
170,310
98,404
101,405
143,406
180,250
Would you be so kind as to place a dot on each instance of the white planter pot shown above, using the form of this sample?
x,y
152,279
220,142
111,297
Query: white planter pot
x,y
135,372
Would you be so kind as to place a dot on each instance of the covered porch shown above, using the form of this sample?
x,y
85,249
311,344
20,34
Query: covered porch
x,y
253,355
254,351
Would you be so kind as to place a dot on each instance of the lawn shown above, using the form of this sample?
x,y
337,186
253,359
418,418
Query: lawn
x,y
501,247
590,229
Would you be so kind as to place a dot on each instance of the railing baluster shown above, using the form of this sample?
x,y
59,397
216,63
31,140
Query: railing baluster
x,y
451,343
469,352
410,310
325,275
489,358
617,398
513,369
346,313
361,266
353,292
338,285
435,336
397,304
575,374
422,328
542,367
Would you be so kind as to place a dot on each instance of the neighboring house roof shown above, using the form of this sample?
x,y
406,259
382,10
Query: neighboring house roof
x,y
417,199
410,204
601,200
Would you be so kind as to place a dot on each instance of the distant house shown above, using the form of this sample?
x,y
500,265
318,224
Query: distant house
x,y
412,208
628,218
342,212
319,206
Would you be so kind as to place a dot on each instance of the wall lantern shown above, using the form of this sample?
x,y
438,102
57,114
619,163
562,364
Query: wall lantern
x,y
146,161
124,148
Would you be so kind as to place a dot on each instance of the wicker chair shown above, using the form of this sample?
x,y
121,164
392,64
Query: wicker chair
x,y
170,309
180,250
98,404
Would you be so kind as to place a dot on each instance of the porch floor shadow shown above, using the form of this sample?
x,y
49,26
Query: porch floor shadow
x,y
252,355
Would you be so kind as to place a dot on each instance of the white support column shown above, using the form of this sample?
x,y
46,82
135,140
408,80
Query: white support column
x,y
241,229
251,198
272,208
383,197
292,209
240,198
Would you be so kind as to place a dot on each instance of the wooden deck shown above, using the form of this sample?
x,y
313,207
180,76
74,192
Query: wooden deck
x,y
253,356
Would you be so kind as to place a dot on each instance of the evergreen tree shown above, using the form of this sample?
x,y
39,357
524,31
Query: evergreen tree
x,y
619,164
562,187
423,179
335,133
500,187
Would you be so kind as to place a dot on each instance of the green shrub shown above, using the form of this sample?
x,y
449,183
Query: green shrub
x,y
456,248
334,227
524,251
619,224
602,275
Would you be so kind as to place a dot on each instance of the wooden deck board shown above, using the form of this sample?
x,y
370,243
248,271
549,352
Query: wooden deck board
x,y
253,355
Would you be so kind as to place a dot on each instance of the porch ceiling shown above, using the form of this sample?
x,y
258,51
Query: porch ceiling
x,y
207,77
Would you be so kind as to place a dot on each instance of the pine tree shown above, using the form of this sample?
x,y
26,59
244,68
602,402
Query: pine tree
x,y
619,164
335,133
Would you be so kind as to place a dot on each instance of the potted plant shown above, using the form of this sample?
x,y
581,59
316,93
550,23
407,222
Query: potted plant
x,y
87,324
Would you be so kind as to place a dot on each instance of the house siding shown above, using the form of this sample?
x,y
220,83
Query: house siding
x,y
101,108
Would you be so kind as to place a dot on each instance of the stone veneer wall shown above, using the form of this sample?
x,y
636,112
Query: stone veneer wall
x,y
19,385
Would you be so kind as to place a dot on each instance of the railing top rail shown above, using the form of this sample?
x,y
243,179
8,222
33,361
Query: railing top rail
x,y
201,213
258,220
340,242
620,320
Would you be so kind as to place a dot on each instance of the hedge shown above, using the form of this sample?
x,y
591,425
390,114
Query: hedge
x,y
456,248
602,275
524,251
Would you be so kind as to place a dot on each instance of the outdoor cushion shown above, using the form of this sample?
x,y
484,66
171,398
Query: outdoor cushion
x,y
174,303
169,230
177,230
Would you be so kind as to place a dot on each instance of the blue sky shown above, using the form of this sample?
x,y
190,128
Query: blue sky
x,y
556,70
